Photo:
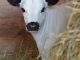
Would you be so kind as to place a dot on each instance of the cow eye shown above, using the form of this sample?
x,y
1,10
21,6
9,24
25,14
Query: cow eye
x,y
43,9
23,10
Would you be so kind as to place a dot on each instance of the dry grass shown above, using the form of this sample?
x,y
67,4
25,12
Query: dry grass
x,y
67,47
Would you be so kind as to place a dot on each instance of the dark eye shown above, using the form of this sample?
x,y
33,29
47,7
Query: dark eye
x,y
43,9
23,10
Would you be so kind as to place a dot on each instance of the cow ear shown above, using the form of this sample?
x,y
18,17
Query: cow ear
x,y
14,2
52,2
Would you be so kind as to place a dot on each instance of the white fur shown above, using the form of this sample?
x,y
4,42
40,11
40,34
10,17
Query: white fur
x,y
52,22
33,10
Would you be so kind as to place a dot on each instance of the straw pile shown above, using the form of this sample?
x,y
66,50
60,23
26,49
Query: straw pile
x,y
67,47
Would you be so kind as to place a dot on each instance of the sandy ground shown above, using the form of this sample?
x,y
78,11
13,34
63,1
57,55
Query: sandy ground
x,y
12,34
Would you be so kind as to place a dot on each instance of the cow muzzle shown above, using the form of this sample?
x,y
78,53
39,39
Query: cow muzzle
x,y
33,26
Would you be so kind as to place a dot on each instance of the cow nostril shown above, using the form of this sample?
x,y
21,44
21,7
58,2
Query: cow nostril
x,y
33,26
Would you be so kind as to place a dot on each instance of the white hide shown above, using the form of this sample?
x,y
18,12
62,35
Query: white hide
x,y
33,10
52,22
55,22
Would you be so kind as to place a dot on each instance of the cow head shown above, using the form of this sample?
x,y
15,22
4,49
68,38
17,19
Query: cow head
x,y
33,11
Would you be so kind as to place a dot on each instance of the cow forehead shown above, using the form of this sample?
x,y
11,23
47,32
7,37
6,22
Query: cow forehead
x,y
32,1
32,4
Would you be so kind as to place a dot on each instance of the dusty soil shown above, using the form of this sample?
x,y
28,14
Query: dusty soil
x,y
13,36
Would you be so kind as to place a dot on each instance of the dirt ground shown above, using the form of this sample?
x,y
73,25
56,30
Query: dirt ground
x,y
13,37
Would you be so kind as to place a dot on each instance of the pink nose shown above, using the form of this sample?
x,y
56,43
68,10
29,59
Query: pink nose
x,y
33,26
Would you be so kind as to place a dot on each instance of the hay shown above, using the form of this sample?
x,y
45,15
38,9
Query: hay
x,y
67,47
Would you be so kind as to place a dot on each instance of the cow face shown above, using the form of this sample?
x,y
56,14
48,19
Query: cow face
x,y
33,11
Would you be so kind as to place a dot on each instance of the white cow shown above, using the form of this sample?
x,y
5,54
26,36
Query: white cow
x,y
43,21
